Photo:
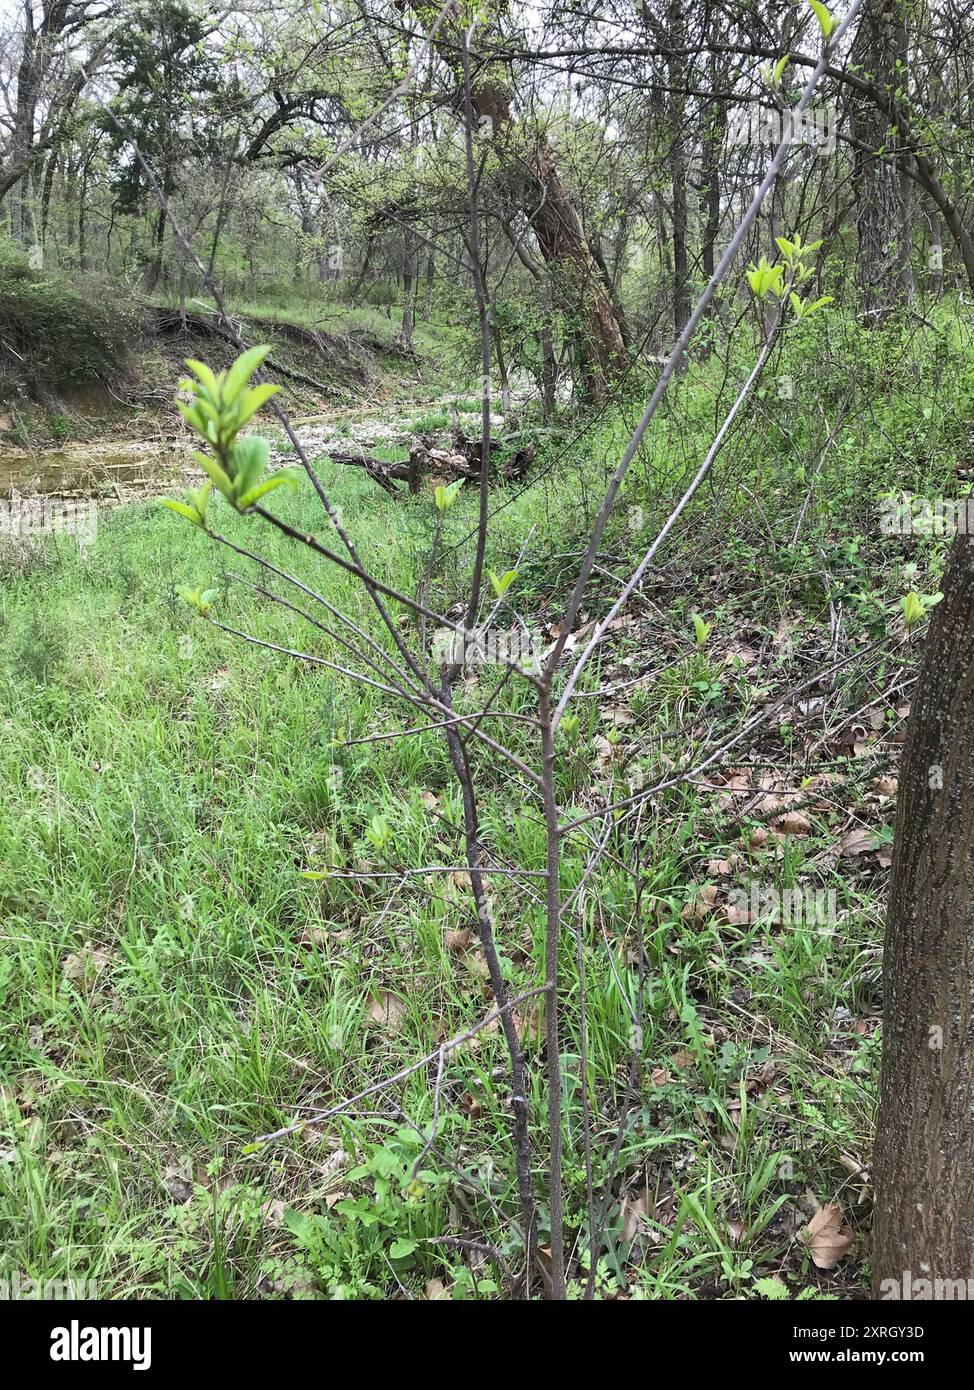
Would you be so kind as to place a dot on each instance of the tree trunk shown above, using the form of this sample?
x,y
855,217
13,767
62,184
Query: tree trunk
x,y
430,279
408,282
22,141
713,132
578,284
714,140
549,365
48,188
678,163
70,196
924,1156
364,269
579,287
154,272
617,307
682,307
502,374
884,225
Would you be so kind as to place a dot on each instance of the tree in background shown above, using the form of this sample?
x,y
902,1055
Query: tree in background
x,y
884,192
165,102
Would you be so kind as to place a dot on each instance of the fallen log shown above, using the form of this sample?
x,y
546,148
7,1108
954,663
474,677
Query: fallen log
x,y
424,459
383,473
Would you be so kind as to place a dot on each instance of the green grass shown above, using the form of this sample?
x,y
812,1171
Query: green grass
x,y
430,423
172,986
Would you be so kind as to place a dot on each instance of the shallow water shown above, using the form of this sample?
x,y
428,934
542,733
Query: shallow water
x,y
113,468
124,469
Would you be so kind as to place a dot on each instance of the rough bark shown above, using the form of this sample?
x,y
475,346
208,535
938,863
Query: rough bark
x,y
43,34
713,143
578,284
883,216
924,1156
682,306
22,145
409,280
154,269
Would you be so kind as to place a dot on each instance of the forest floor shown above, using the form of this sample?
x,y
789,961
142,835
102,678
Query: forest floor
x,y
192,954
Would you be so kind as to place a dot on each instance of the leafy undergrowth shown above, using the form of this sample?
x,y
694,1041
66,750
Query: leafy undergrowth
x,y
54,338
196,950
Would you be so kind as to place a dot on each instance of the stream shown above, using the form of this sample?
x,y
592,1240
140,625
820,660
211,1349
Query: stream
x,y
124,470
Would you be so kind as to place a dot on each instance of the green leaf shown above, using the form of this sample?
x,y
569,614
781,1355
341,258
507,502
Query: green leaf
x,y
253,400
190,513
766,279
205,375
207,410
771,1287
248,459
194,508
216,474
242,370
503,583
284,477
701,629
825,20
199,497
193,416
200,599
402,1247
444,497
378,831
913,610
779,69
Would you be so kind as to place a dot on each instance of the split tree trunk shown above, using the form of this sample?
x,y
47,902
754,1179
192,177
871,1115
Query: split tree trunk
x,y
579,287
409,282
154,269
924,1158
534,181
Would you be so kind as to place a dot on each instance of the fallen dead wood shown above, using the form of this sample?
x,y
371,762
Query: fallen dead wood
x,y
425,460
383,473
